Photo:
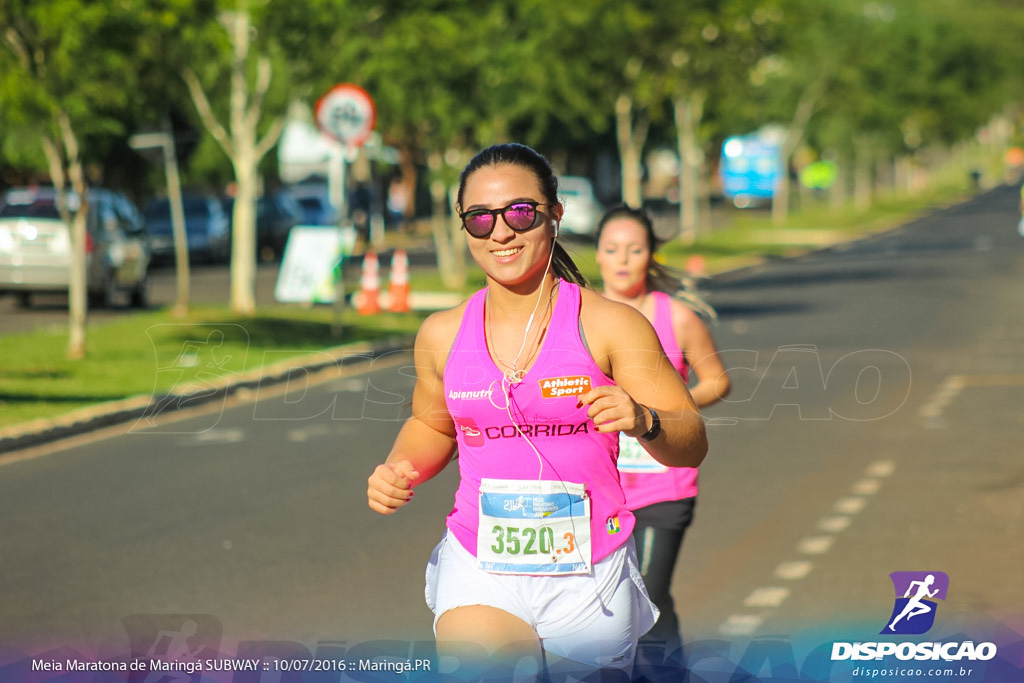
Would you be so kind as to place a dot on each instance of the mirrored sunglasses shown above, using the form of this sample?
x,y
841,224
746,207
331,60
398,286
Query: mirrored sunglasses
x,y
520,216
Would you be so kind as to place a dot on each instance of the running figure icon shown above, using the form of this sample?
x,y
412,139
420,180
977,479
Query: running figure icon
x,y
915,606
916,596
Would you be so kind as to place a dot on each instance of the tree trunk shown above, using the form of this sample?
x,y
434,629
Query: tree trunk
x,y
791,140
243,243
408,169
243,147
243,135
78,294
838,191
449,243
67,167
182,270
862,197
688,113
631,138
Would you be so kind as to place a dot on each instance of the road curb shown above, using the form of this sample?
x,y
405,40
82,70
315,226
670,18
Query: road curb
x,y
43,431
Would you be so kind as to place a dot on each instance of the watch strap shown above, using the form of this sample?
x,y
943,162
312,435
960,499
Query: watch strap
x,y
655,429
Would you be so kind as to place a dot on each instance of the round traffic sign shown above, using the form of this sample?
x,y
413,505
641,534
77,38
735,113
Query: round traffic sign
x,y
346,113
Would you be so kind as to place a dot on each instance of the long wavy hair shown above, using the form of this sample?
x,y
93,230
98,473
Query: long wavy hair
x,y
515,154
659,278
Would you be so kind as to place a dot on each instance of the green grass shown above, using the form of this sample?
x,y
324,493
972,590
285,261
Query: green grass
x,y
153,352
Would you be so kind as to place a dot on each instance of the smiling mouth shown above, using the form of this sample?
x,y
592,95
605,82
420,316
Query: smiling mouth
x,y
501,253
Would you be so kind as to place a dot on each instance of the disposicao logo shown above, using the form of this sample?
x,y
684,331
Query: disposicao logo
x,y
913,614
916,593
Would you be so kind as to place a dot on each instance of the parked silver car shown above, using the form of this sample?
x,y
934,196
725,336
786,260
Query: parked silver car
x,y
582,209
35,246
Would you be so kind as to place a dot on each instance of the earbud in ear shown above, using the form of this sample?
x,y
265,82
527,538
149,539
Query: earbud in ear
x,y
556,228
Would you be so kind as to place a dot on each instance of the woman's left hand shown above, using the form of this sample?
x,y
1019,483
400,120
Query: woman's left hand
x,y
613,410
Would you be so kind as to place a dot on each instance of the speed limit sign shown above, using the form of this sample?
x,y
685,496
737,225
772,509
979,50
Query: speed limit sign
x,y
346,113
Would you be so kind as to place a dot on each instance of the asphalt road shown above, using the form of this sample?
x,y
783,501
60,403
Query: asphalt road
x,y
874,427
209,284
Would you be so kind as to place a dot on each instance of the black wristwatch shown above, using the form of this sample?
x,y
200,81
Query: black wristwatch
x,y
652,433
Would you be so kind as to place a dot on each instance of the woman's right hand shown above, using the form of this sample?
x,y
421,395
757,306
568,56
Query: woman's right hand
x,y
390,486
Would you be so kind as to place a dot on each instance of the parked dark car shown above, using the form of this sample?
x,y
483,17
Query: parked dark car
x,y
315,204
317,210
207,229
276,215
35,245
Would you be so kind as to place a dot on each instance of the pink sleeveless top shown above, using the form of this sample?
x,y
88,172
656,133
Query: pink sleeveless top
x,y
571,450
643,488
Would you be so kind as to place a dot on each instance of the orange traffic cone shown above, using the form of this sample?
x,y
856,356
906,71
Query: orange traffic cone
x,y
369,285
697,265
398,289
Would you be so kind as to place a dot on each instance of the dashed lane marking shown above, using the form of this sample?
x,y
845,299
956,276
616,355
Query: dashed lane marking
x,y
815,545
792,571
833,524
850,505
881,468
767,598
866,487
741,624
935,407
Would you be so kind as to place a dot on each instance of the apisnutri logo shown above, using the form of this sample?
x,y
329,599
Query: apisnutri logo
x,y
916,593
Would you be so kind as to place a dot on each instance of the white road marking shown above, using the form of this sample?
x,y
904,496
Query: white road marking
x,y
850,505
791,571
815,545
834,524
219,436
766,597
866,487
942,397
353,384
740,625
304,434
881,468
771,597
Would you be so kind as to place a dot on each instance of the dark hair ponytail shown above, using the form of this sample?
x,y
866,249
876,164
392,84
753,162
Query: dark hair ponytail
x,y
515,154
564,267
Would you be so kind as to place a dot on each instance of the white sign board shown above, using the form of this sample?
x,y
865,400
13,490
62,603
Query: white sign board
x,y
346,113
308,267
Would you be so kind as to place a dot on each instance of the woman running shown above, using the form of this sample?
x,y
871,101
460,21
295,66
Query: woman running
x,y
532,380
662,499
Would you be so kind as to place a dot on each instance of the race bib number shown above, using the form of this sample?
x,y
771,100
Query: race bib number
x,y
633,457
533,527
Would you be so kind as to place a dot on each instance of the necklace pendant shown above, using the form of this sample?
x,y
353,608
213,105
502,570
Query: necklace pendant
x,y
514,376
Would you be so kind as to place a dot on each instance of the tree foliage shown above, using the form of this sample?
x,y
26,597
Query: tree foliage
x,y
859,80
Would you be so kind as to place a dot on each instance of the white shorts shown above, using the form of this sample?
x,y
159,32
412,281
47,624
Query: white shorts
x,y
595,619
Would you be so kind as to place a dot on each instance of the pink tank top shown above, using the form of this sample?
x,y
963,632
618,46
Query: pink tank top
x,y
644,488
544,406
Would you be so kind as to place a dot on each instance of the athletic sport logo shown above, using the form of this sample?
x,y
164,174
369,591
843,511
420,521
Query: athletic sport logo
x,y
555,387
916,593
